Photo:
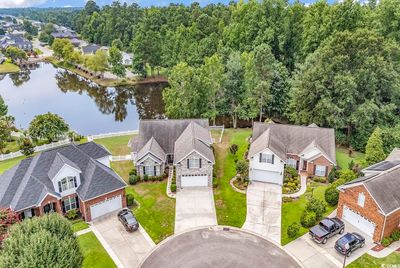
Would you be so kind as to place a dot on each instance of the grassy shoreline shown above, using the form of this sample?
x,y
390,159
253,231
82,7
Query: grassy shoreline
x,y
9,68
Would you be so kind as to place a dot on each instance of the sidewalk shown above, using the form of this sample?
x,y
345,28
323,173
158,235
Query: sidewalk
x,y
386,251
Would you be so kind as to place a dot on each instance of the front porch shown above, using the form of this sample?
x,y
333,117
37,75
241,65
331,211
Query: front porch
x,y
319,166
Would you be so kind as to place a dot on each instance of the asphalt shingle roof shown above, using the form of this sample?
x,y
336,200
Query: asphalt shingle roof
x,y
26,184
152,147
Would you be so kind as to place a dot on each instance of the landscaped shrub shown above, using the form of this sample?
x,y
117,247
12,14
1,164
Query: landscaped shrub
x,y
287,199
242,167
317,206
71,214
319,179
308,219
332,176
46,241
293,229
26,146
215,182
146,177
290,172
291,181
347,175
386,241
133,171
395,235
173,187
130,200
133,179
332,196
233,149
7,219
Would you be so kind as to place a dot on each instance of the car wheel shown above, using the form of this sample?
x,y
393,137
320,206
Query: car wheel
x,y
362,244
349,254
325,240
341,231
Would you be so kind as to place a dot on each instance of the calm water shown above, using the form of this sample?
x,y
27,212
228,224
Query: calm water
x,y
85,106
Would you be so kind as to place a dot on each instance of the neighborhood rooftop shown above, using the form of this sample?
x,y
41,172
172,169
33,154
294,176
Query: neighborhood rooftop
x,y
27,183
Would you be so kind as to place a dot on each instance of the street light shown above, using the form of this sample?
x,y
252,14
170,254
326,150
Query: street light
x,y
346,247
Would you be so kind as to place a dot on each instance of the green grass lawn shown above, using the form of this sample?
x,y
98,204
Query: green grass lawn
x,y
12,146
7,164
94,255
78,225
116,145
343,159
122,168
230,205
8,67
156,212
366,260
291,211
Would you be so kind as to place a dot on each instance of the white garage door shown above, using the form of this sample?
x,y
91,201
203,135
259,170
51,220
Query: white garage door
x,y
192,181
266,176
365,225
106,206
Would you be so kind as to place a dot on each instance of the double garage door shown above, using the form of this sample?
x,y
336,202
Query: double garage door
x,y
106,206
194,181
266,176
362,223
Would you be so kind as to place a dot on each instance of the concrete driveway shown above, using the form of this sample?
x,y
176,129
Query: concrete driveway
x,y
264,201
311,254
194,208
126,249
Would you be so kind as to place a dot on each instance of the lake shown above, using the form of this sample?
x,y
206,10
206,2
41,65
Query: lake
x,y
87,107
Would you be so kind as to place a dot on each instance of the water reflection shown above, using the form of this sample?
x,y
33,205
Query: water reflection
x,y
86,106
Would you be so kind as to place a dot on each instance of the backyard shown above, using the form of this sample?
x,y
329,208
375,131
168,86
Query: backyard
x,y
230,205
94,255
116,145
343,159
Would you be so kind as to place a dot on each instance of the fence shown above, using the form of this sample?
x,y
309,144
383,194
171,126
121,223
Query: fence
x,y
36,149
115,158
222,128
112,134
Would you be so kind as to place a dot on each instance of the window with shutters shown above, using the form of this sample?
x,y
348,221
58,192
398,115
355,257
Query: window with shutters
x,y
150,170
266,158
67,183
194,163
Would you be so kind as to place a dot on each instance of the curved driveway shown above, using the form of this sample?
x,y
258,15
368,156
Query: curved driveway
x,y
218,247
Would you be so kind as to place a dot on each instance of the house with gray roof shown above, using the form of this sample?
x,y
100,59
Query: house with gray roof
x,y
72,177
308,149
184,144
372,202
15,40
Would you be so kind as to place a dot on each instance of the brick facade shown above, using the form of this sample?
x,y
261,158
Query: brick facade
x,y
322,161
392,223
182,169
370,211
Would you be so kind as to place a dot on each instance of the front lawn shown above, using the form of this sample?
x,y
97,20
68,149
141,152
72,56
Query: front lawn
x,y
230,205
79,225
366,260
116,145
343,159
156,211
8,67
292,211
94,255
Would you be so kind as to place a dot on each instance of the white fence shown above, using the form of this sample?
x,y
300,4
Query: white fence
x,y
36,149
112,134
222,128
115,158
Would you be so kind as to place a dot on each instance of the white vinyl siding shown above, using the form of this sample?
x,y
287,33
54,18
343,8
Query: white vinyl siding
x,y
266,158
70,203
320,170
361,199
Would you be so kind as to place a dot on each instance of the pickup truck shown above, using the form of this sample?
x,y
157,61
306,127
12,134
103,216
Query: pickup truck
x,y
327,228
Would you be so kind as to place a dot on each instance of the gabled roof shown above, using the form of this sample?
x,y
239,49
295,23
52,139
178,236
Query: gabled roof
x,y
285,139
166,132
153,148
194,138
26,184
394,155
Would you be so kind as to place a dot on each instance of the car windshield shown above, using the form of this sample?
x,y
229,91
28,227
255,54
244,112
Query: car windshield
x,y
324,226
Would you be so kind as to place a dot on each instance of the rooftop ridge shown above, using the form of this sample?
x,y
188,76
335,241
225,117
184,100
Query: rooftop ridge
x,y
289,125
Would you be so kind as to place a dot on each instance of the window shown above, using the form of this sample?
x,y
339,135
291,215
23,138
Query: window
x,y
70,203
194,163
67,183
291,163
150,170
361,199
266,158
320,170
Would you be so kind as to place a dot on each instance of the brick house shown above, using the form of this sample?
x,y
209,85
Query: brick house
x,y
308,149
62,179
184,144
372,202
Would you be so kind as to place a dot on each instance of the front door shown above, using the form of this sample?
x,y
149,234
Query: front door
x,y
304,165
49,208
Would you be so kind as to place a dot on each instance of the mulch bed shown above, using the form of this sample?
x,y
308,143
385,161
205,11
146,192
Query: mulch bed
x,y
378,248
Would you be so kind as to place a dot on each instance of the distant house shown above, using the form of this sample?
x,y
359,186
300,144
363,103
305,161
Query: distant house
x,y
372,202
90,49
184,144
308,149
16,40
63,179
127,58
64,33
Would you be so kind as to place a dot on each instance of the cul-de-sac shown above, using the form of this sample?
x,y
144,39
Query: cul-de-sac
x,y
164,134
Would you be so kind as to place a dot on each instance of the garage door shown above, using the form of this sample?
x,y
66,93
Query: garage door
x,y
266,176
106,206
365,225
193,181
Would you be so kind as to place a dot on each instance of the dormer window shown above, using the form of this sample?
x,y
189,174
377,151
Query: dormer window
x,y
67,183
361,199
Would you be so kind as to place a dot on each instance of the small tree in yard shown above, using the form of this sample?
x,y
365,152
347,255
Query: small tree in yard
x,y
293,229
316,206
46,241
332,175
26,146
332,196
374,152
347,175
308,219
48,126
7,218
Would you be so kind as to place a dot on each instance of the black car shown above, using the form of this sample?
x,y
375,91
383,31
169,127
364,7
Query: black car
x,y
128,220
327,228
351,241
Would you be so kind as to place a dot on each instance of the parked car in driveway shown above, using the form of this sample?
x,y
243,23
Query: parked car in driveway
x,y
327,228
129,221
349,243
